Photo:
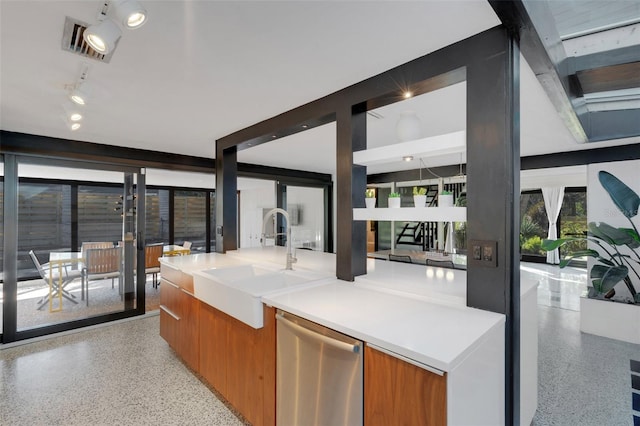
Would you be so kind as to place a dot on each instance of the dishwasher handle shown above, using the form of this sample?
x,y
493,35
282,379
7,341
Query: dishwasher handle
x,y
349,347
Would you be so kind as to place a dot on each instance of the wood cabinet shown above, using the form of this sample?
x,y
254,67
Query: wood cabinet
x,y
399,393
179,316
239,362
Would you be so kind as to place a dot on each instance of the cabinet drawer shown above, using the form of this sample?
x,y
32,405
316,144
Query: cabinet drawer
x,y
169,326
392,387
170,296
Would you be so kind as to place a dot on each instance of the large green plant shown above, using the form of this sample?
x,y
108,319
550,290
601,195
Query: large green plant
x,y
613,265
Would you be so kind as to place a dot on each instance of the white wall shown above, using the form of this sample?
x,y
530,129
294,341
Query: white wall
x,y
309,232
600,207
254,197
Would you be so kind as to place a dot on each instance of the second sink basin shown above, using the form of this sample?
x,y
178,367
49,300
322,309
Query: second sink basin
x,y
237,290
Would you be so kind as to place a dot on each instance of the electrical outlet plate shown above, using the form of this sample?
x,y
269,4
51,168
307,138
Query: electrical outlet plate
x,y
483,253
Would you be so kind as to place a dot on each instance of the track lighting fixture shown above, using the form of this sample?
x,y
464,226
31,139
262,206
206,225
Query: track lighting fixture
x,y
129,13
79,92
103,36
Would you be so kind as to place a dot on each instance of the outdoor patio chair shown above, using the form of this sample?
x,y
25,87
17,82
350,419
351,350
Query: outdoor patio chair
x,y
102,263
152,255
68,275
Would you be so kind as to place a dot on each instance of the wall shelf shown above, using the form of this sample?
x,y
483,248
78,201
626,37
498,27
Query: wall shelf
x,y
415,214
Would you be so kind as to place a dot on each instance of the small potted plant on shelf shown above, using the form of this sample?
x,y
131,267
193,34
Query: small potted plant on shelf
x,y
370,198
394,199
419,196
445,199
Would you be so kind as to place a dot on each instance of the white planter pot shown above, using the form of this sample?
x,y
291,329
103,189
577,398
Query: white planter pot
x,y
370,202
394,202
445,200
419,200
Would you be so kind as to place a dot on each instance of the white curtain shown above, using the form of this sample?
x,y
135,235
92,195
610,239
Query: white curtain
x,y
552,203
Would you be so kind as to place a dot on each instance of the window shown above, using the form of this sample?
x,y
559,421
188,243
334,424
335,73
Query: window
x,y
157,216
534,225
190,216
573,220
99,213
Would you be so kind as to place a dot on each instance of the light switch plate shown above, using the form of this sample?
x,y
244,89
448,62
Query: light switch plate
x,y
483,253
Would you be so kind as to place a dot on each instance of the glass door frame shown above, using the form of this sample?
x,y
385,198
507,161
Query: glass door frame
x,y
10,333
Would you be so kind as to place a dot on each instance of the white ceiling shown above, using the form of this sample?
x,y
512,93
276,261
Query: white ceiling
x,y
199,70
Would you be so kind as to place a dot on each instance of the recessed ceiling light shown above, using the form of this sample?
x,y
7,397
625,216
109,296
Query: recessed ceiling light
x,y
407,94
273,136
75,126
304,126
407,158
76,116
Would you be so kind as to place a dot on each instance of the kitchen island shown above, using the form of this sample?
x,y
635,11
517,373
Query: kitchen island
x,y
407,319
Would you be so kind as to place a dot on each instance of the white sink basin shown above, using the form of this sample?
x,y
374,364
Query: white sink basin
x,y
237,290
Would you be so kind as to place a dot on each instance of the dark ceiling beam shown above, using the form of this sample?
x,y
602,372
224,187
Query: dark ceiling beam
x,y
532,162
419,76
542,48
65,151
45,146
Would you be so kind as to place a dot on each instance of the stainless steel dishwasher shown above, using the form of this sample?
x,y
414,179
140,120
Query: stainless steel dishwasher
x,y
319,375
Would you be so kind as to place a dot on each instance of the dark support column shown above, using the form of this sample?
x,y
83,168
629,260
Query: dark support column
x,y
75,245
128,236
493,159
328,216
281,202
172,215
10,287
226,198
209,225
351,259
141,238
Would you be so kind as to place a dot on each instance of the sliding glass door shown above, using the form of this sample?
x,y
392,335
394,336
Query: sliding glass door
x,y
75,247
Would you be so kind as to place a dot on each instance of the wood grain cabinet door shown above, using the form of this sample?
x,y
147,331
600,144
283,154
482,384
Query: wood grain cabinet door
x,y
399,393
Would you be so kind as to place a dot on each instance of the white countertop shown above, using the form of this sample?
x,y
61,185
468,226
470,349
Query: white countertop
x,y
415,311
434,334
432,284
201,261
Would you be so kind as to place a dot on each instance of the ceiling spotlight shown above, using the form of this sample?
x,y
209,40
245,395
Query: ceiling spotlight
x,y
407,158
72,112
407,94
103,36
79,95
130,13
75,126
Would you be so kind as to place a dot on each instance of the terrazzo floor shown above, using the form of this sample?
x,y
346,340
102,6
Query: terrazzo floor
x,y
121,374
125,374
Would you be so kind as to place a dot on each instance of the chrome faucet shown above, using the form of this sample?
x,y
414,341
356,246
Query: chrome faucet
x,y
291,259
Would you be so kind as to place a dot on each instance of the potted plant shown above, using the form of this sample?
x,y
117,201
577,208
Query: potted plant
x,y
394,199
419,196
370,198
615,250
445,199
